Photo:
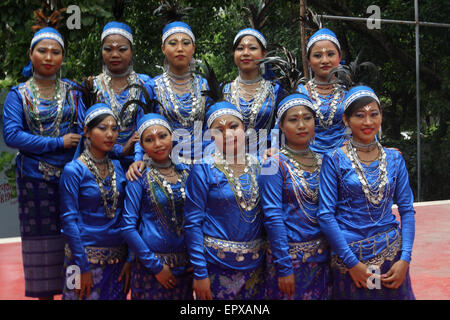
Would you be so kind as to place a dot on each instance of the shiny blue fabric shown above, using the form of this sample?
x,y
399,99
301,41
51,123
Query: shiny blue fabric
x,y
327,139
346,216
144,231
211,209
186,137
265,118
33,146
124,136
84,222
283,218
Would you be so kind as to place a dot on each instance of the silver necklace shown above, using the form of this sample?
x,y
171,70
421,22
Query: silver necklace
x,y
364,147
317,103
297,152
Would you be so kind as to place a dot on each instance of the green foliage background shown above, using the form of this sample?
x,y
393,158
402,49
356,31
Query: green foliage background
x,y
215,23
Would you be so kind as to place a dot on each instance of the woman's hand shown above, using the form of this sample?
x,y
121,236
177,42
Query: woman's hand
x,y
269,152
134,171
202,289
166,278
71,140
360,274
287,285
128,148
394,278
86,284
126,272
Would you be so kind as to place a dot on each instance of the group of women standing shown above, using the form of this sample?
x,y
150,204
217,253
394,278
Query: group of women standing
x,y
98,188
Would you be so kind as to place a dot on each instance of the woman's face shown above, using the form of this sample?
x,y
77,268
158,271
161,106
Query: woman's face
x,y
228,134
156,141
323,57
365,122
117,53
104,135
247,53
47,57
298,127
179,50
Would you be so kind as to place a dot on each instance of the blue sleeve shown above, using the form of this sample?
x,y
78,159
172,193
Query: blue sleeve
x,y
14,133
271,192
328,198
129,227
70,215
197,189
404,199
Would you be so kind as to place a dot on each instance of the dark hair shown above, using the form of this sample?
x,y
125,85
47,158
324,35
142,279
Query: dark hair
x,y
358,104
238,41
308,54
96,121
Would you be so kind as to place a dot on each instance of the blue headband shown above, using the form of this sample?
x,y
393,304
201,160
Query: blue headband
x,y
220,109
251,32
177,27
294,100
358,92
44,33
323,34
119,28
151,119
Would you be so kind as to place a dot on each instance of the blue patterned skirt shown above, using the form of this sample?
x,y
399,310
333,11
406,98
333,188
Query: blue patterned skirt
x,y
144,285
345,289
106,286
312,280
42,242
228,284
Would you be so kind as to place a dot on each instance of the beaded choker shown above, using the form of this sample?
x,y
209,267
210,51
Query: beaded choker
x,y
364,147
251,81
151,162
185,76
97,161
117,75
297,152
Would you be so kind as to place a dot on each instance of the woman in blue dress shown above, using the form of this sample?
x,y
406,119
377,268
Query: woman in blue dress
x,y
40,118
117,84
92,194
254,96
298,258
327,95
153,220
223,220
358,185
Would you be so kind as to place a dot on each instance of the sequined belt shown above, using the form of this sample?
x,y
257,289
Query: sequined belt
x,y
49,171
173,259
238,248
387,254
102,255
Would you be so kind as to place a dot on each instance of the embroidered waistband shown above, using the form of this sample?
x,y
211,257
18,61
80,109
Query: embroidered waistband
x,y
102,255
49,171
173,259
238,248
393,245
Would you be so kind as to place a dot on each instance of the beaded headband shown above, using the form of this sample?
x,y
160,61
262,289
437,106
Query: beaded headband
x,y
118,31
323,34
293,103
359,94
46,35
251,32
152,122
178,29
94,114
223,112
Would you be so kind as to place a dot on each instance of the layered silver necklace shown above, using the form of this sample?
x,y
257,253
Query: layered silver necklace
x,y
374,192
246,198
185,113
116,106
317,103
110,198
263,90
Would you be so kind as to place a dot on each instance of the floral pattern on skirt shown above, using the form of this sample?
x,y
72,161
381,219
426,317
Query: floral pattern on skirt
x,y
228,284
312,281
106,286
144,285
345,289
